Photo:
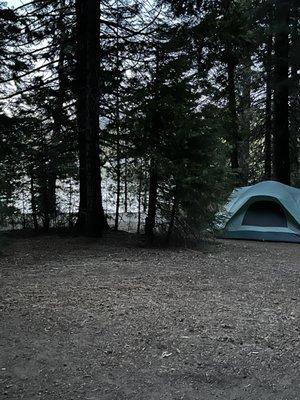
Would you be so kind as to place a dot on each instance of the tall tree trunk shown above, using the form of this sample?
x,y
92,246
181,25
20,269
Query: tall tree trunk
x,y
139,202
125,186
154,140
145,200
118,195
244,145
152,202
58,113
23,210
281,93
52,191
268,115
45,205
295,93
173,215
232,107
44,195
117,117
81,89
91,220
46,179
33,203
70,220
42,180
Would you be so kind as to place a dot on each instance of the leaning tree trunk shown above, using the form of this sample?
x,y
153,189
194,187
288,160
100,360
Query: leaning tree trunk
x,y
91,220
281,93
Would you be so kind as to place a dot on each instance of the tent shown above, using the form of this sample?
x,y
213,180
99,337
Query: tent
x,y
268,211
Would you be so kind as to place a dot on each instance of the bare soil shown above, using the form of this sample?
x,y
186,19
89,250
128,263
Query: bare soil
x,y
109,319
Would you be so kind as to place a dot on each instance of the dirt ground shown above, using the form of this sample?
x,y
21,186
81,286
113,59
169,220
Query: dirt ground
x,y
110,319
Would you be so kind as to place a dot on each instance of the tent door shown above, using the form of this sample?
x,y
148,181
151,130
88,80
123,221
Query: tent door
x,y
265,213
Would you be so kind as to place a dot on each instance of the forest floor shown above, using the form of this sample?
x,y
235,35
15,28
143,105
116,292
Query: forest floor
x,y
110,319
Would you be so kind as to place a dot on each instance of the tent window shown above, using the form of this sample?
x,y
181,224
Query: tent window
x,y
265,213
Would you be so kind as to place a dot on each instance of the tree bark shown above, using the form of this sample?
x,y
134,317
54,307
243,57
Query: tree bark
x,y
154,140
295,94
152,202
117,117
244,144
268,115
23,210
281,93
125,186
91,219
139,202
232,107
58,115
70,220
44,196
173,215
118,195
33,203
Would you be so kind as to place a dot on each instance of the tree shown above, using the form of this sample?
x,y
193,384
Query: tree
x,y
295,94
176,137
268,122
155,127
281,93
91,219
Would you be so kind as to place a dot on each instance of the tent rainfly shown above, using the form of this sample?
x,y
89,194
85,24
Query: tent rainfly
x,y
267,211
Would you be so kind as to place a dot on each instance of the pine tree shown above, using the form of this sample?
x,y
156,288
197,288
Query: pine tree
x,y
91,220
281,93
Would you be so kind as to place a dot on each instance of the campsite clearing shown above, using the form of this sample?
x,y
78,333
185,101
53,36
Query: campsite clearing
x,y
113,320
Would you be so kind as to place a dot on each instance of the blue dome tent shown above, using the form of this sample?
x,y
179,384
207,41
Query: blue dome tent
x,y
267,211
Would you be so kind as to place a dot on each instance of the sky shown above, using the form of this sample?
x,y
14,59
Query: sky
x,y
16,3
